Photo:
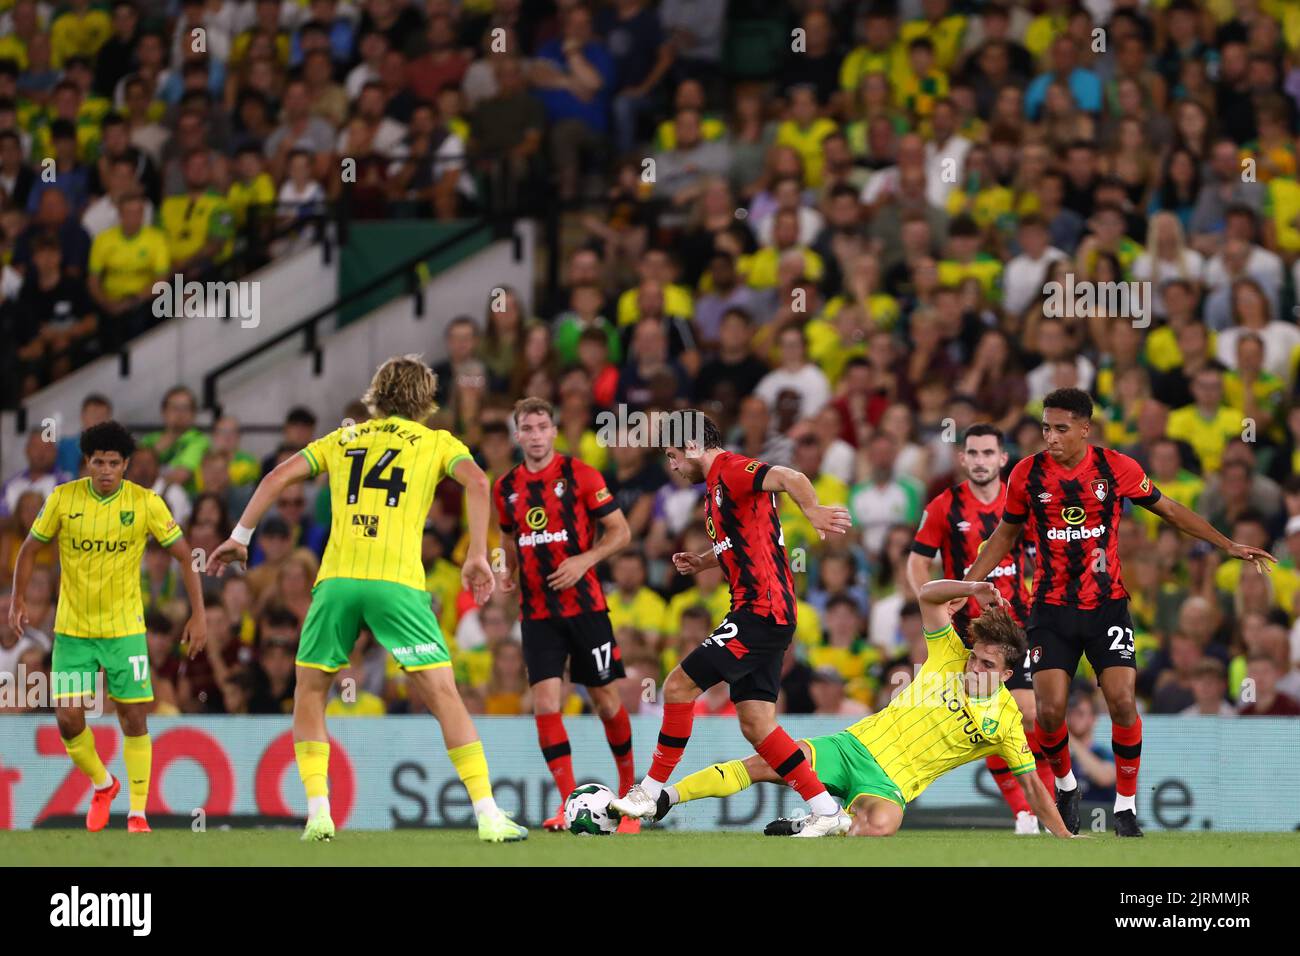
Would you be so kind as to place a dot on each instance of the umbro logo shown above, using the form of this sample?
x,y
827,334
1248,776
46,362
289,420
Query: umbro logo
x,y
1045,496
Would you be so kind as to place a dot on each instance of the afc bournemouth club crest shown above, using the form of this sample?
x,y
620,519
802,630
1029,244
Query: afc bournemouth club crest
x,y
1036,654
559,488
1099,489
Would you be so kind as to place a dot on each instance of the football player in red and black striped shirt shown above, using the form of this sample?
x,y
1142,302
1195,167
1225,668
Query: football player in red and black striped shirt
x,y
954,526
549,507
1068,499
747,649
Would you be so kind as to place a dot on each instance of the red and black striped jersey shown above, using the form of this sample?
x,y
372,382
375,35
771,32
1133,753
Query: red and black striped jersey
x,y
1073,519
741,520
955,525
552,514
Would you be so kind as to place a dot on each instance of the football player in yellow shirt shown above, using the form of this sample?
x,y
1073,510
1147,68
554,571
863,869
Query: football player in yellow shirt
x,y
956,710
382,474
103,522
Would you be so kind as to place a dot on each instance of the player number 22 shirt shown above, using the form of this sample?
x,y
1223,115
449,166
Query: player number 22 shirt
x,y
101,542
742,522
1073,518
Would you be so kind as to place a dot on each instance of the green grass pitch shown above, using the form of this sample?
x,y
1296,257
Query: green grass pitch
x,y
663,848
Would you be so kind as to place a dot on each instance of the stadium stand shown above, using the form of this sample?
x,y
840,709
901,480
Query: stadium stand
x,y
832,225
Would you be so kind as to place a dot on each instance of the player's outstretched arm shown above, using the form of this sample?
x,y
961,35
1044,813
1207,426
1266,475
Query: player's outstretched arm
x,y
825,519
196,628
476,573
1044,807
1188,521
235,548
614,537
997,547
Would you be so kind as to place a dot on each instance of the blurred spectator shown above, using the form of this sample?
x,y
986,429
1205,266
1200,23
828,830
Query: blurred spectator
x,y
1209,688
146,470
126,261
180,445
575,77
827,689
95,408
298,431
41,475
1264,698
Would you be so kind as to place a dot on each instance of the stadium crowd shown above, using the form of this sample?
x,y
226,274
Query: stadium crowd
x,y
841,252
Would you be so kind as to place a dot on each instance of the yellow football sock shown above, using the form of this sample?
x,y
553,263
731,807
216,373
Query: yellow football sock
x,y
138,754
718,780
81,749
472,767
313,758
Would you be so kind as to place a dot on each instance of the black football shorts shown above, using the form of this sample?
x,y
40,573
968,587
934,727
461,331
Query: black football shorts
x,y
746,651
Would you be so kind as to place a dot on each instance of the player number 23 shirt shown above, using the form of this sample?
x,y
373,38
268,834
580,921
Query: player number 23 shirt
x,y
101,542
1072,516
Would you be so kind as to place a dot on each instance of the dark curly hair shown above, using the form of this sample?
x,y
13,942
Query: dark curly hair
x,y
107,436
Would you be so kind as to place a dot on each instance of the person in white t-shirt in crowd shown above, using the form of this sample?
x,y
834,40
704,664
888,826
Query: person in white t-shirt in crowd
x,y
1252,312
788,193
1024,275
102,214
1054,346
1167,256
795,373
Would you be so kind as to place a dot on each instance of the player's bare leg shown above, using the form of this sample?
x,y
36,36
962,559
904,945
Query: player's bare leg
x,y
137,752
1052,691
79,742
437,688
1119,687
680,692
608,706
554,741
875,817
311,749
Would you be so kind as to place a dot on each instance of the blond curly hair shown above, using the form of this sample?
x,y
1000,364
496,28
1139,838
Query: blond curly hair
x,y
403,386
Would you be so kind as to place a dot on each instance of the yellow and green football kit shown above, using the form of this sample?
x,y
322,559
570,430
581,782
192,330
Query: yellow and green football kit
x,y
931,727
382,476
99,621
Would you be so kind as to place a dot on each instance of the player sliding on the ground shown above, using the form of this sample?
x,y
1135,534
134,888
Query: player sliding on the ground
x,y
954,526
1069,498
382,475
102,522
549,507
747,649
957,709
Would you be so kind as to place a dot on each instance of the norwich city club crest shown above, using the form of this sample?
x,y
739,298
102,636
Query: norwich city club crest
x,y
128,517
989,727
